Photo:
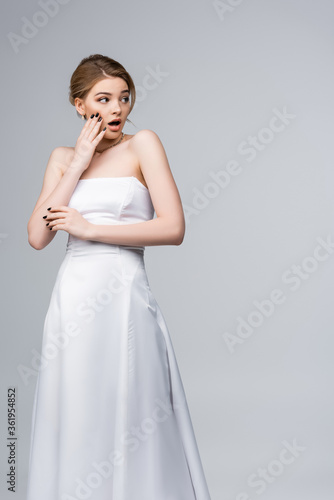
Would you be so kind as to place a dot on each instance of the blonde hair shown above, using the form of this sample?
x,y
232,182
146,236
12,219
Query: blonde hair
x,y
91,70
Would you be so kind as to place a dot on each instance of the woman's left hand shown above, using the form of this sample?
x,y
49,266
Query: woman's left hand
x,y
68,219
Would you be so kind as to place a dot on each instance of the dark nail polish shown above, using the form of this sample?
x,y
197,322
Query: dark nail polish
x,y
99,119
49,208
44,216
105,128
97,114
48,223
50,228
92,116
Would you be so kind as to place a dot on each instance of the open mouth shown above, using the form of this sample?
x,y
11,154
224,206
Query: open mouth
x,y
114,123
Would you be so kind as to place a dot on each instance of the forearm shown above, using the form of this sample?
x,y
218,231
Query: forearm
x,y
39,235
158,231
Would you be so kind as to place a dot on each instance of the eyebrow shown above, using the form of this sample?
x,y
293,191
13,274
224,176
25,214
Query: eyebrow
x,y
108,93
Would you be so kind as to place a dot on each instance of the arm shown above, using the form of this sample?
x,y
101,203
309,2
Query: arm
x,y
168,227
57,189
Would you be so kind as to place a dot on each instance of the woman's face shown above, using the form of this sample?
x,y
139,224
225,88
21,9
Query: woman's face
x,y
111,99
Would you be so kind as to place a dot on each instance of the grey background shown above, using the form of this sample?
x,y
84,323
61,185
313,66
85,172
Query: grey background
x,y
227,65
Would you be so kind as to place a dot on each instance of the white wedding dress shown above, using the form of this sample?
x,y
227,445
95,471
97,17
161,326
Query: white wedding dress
x,y
110,419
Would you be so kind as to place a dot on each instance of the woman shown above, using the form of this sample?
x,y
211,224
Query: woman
x,y
110,417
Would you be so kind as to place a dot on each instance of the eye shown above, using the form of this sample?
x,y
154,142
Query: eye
x,y
102,98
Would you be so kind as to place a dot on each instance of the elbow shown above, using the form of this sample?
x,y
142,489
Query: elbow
x,y
178,240
173,232
179,236
34,244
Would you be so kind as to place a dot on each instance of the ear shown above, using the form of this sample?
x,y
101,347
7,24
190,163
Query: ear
x,y
79,106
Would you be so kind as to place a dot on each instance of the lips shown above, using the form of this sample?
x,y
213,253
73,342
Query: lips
x,y
114,122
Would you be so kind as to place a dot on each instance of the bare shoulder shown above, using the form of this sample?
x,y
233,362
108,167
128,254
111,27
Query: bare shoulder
x,y
144,138
153,164
61,152
149,151
61,157
58,162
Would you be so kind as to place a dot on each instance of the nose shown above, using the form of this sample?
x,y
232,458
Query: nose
x,y
115,106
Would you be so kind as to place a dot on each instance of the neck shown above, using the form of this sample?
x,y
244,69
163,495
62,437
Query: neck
x,y
105,144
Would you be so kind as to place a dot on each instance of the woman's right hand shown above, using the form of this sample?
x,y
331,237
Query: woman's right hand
x,y
86,143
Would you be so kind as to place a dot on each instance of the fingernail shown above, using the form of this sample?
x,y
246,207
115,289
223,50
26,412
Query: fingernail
x,y
97,114
44,216
92,116
49,208
48,223
50,228
105,128
99,119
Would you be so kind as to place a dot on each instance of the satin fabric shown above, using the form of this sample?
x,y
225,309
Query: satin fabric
x,y
110,418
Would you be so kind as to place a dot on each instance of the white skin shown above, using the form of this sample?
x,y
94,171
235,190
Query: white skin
x,y
143,156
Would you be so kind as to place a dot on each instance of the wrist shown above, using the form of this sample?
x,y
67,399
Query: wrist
x,y
77,166
73,172
89,233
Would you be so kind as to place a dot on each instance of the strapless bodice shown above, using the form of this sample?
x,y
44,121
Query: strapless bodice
x,y
109,200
